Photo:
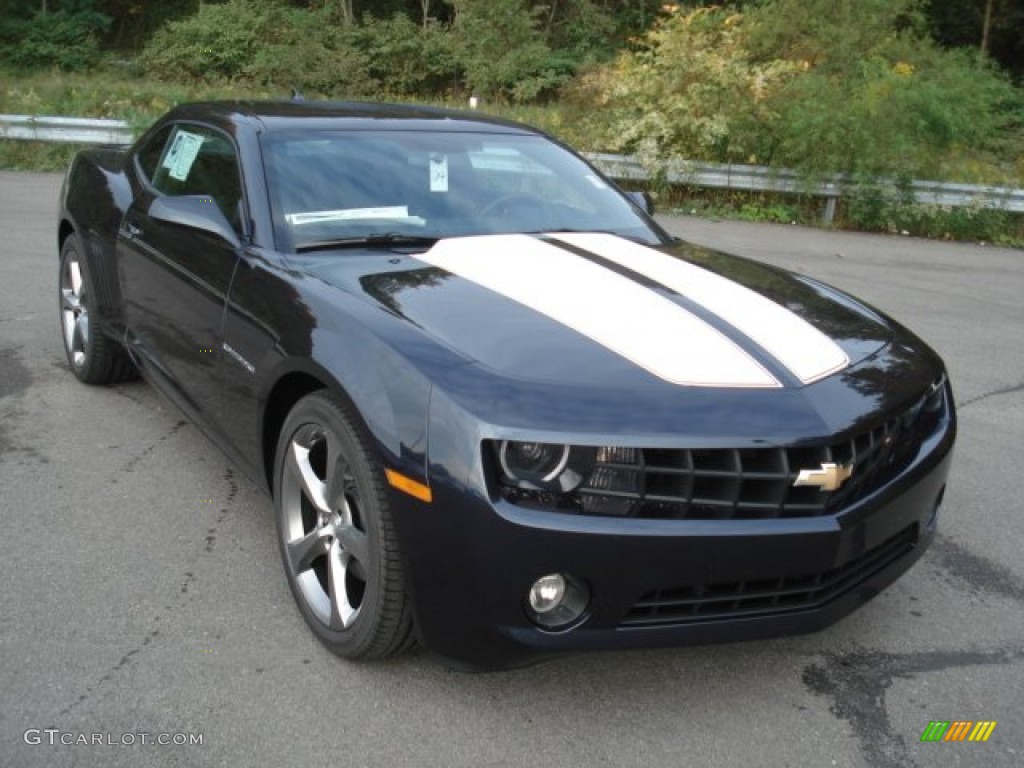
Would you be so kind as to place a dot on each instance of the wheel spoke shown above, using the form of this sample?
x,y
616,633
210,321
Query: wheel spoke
x,y
314,488
302,552
70,326
75,273
341,486
81,332
70,300
342,612
355,543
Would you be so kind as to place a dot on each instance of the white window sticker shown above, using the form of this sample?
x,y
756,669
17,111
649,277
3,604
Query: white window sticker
x,y
182,154
438,173
314,217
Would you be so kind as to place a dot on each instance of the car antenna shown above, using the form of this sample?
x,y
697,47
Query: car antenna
x,y
297,95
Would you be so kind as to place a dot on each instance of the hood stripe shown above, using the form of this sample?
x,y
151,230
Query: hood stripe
x,y
779,371
616,312
795,343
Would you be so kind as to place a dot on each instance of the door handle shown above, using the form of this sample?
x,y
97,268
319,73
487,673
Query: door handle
x,y
131,229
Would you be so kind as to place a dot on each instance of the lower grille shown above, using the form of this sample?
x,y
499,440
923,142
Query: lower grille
x,y
710,602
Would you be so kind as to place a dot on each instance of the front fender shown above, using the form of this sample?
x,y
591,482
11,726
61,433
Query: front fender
x,y
286,334
94,197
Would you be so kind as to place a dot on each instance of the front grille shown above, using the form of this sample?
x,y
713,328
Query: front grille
x,y
752,483
710,602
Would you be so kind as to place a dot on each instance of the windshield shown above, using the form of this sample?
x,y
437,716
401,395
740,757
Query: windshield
x,y
340,186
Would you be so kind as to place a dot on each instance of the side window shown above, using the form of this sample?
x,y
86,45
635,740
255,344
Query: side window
x,y
150,154
196,160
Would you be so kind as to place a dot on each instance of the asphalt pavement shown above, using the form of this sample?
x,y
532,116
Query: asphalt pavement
x,y
142,598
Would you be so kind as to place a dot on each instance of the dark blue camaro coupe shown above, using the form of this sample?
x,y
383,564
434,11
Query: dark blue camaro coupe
x,y
500,411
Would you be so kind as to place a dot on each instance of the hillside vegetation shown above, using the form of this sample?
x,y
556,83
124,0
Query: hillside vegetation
x,y
878,89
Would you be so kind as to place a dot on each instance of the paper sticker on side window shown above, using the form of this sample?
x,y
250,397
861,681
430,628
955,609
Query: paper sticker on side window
x,y
179,158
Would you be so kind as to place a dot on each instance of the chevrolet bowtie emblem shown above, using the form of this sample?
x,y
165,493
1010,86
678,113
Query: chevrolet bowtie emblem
x,y
828,478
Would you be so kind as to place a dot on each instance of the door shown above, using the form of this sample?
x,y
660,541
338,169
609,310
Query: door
x,y
175,279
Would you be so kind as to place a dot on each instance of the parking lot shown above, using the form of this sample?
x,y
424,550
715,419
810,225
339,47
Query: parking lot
x,y
142,591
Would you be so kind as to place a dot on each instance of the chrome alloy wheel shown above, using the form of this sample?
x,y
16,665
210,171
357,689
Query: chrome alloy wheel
x,y
326,546
74,311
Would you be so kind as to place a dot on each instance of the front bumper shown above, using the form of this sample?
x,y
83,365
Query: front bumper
x,y
655,583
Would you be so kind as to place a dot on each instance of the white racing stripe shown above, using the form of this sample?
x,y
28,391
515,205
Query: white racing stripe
x,y
614,311
798,345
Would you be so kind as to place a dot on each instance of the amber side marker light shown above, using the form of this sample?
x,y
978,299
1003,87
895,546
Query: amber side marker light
x,y
407,485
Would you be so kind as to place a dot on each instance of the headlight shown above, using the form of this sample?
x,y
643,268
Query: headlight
x,y
543,466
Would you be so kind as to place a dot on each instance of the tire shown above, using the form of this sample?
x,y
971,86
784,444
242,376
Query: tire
x,y
339,549
94,357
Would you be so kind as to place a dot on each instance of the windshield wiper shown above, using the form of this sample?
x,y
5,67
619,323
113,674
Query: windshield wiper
x,y
378,240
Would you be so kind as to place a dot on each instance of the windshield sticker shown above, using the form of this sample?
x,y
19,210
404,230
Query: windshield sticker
x,y
182,154
438,173
315,217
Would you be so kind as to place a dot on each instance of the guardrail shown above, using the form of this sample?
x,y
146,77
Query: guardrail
x,y
750,178
74,130
759,178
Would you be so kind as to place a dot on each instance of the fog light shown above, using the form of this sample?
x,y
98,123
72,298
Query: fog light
x,y
547,592
557,600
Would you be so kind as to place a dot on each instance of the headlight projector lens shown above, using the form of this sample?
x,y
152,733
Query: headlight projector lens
x,y
544,466
542,462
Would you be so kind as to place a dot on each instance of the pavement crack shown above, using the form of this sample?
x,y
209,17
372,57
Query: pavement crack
x,y
126,660
131,656
130,465
856,683
993,393
211,532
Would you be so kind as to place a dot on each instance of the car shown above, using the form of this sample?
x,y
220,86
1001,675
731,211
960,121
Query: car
x,y
501,413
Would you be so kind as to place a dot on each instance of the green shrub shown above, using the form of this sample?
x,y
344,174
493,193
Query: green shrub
x,y
406,59
822,86
502,53
690,90
66,41
260,43
874,94
876,205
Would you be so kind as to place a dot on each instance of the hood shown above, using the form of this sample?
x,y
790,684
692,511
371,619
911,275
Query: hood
x,y
596,322
549,307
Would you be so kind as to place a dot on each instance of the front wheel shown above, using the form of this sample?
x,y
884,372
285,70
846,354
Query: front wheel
x,y
334,528
93,357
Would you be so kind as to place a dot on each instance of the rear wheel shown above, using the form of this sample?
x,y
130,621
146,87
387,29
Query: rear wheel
x,y
93,357
334,527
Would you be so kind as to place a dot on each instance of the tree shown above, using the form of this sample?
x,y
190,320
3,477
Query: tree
x,y
993,27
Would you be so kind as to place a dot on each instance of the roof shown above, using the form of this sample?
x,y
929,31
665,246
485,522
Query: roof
x,y
348,115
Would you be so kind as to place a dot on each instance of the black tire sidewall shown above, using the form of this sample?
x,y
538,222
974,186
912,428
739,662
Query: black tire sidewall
x,y
106,362
322,409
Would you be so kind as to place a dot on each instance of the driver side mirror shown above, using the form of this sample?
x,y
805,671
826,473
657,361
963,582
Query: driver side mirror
x,y
199,212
